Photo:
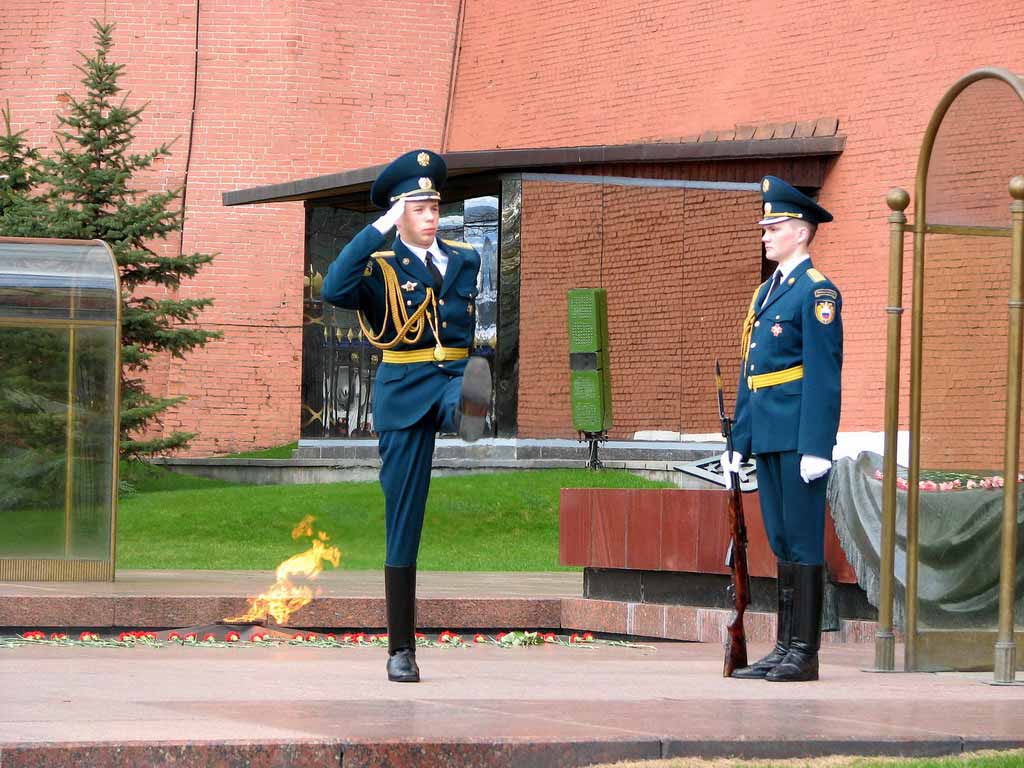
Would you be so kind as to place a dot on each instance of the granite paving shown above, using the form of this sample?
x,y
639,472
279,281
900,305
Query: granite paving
x,y
478,705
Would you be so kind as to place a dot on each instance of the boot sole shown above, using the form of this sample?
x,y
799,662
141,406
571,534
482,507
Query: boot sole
x,y
475,399
404,679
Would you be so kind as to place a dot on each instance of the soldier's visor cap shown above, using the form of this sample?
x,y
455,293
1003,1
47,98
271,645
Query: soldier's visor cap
x,y
782,201
416,175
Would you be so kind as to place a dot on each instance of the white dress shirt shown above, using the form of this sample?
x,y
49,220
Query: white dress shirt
x,y
438,257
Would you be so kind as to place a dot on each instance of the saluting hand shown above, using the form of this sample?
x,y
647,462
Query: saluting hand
x,y
387,221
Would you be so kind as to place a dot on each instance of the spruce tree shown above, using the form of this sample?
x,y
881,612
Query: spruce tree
x,y
90,190
19,175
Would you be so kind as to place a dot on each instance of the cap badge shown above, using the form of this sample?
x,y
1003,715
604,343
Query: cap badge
x,y
776,330
767,206
765,185
423,159
425,182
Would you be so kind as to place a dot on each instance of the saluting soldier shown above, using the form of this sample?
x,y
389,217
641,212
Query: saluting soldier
x,y
416,303
787,416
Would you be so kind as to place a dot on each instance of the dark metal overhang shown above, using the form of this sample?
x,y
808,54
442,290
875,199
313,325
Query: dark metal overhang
x,y
351,188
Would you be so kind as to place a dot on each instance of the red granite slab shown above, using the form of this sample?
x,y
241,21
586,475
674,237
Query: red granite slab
x,y
51,608
713,531
647,620
644,529
760,558
499,755
608,535
680,529
671,530
839,567
313,755
595,615
574,526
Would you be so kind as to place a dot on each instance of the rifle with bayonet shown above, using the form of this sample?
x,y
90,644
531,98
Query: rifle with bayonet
x,y
736,556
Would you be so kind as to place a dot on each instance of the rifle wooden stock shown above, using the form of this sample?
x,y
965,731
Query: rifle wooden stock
x,y
739,588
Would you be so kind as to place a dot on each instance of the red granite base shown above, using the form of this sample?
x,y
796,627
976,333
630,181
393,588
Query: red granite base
x,y
686,622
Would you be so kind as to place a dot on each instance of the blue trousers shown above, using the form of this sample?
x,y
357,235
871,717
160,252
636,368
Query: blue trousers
x,y
406,457
793,511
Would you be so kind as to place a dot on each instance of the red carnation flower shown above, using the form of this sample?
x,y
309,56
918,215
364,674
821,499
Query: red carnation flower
x,y
298,636
209,637
331,638
588,637
174,637
347,637
191,637
479,639
311,637
232,637
550,638
575,638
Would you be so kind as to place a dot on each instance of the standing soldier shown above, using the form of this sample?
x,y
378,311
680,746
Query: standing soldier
x,y
416,303
787,415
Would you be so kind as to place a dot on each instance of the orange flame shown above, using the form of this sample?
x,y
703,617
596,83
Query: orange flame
x,y
284,597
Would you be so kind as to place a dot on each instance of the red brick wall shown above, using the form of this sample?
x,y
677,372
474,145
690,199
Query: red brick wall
x,y
286,90
679,267
290,90
549,73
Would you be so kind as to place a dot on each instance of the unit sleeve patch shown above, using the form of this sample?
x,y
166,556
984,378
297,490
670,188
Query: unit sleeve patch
x,y
825,311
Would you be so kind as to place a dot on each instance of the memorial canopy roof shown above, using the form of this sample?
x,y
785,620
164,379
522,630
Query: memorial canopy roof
x,y
788,144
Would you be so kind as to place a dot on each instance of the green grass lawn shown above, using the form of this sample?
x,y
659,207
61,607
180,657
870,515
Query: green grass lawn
x,y
491,522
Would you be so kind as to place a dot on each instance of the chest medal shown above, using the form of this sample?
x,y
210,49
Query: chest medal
x,y
776,330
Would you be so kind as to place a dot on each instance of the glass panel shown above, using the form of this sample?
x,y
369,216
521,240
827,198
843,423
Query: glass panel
x,y
33,441
978,149
962,428
93,449
53,281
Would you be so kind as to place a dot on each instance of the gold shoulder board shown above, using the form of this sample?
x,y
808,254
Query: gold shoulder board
x,y
383,254
815,275
457,243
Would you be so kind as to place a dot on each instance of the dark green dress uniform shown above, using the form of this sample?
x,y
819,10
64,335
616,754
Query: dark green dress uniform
x,y
787,407
425,332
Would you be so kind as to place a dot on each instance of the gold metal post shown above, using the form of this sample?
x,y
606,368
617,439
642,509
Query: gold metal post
x,y
1005,664
885,639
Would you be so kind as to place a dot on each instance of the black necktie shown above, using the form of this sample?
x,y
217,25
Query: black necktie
x,y
776,279
435,273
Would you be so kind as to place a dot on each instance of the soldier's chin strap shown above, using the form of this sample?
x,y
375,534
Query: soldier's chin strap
x,y
408,330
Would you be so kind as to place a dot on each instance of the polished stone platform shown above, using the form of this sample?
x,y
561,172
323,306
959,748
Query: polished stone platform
x,y
307,707
460,601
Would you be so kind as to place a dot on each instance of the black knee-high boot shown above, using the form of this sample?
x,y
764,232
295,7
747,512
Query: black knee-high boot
x,y
400,596
783,628
801,663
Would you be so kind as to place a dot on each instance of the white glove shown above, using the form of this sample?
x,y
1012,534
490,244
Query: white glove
x,y
730,464
387,221
813,467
